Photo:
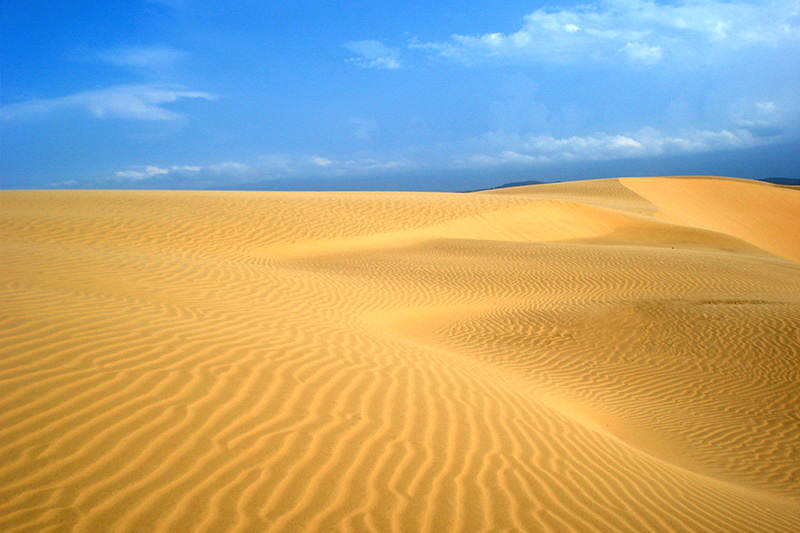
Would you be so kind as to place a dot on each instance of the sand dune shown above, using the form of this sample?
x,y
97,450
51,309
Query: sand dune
x,y
609,355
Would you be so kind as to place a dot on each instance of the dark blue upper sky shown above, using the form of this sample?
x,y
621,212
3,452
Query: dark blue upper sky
x,y
446,95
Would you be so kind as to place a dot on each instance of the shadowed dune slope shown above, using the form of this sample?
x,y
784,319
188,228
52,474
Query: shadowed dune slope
x,y
608,355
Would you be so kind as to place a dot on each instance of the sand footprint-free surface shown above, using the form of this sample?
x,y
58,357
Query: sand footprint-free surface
x,y
608,355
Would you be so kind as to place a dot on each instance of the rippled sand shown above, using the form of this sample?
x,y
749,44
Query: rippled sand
x,y
610,355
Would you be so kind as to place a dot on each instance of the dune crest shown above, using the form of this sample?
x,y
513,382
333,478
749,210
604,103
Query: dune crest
x,y
763,214
608,355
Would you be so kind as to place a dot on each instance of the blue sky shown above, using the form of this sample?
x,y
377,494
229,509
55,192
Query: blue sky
x,y
447,95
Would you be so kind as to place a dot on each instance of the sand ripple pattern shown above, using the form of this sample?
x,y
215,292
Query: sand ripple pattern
x,y
594,356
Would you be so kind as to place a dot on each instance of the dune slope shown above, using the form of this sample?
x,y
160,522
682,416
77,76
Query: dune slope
x,y
610,355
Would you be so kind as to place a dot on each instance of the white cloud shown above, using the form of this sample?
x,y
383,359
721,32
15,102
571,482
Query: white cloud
x,y
321,161
136,175
134,102
229,167
362,166
505,157
150,171
373,54
270,166
144,57
517,149
286,165
766,107
689,31
643,53
767,118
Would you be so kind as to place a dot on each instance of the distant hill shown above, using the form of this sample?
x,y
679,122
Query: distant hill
x,y
775,180
781,181
513,184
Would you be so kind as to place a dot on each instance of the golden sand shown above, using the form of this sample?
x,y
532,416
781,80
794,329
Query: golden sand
x,y
609,355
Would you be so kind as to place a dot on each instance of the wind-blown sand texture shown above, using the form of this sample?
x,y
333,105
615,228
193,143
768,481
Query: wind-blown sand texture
x,y
609,355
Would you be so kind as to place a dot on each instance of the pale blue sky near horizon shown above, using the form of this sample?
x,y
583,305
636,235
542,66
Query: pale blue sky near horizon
x,y
453,95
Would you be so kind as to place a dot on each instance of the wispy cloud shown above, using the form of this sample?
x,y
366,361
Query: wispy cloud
x,y
133,102
285,165
373,54
513,149
229,167
643,53
142,57
268,166
363,129
149,171
640,31
63,184
767,118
